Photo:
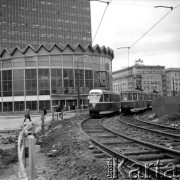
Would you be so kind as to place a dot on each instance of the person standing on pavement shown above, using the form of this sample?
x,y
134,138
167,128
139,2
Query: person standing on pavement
x,y
27,115
44,110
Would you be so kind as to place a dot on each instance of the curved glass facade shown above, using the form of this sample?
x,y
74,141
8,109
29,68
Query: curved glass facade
x,y
47,79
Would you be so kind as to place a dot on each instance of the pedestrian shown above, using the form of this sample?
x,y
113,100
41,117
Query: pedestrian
x,y
44,110
27,115
27,121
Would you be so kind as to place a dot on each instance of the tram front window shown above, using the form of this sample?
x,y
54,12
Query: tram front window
x,y
95,98
124,96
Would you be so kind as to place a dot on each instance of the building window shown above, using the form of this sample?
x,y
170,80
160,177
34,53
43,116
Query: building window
x,y
68,79
7,106
7,82
89,79
31,82
32,105
56,80
43,82
19,106
18,82
44,104
79,77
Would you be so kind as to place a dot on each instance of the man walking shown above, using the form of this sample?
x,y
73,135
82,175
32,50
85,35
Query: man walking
x,y
27,115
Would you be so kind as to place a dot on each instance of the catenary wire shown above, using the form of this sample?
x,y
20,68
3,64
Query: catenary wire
x,y
153,26
101,20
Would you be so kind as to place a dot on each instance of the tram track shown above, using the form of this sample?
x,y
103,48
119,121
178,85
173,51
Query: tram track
x,y
157,128
131,151
149,132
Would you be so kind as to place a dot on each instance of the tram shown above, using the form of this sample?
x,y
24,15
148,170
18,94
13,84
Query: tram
x,y
103,102
133,101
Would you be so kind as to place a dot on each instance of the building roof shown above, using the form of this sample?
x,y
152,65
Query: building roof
x,y
172,70
71,48
138,66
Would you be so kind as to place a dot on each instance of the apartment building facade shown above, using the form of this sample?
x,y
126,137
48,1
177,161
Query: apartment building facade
x,y
142,77
37,22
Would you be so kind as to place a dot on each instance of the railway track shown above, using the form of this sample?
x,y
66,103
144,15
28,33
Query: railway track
x,y
130,157
161,135
156,128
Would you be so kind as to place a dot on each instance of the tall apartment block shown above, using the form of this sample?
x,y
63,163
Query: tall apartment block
x,y
173,81
38,22
147,78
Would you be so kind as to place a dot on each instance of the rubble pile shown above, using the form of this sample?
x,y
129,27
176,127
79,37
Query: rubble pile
x,y
8,140
67,152
172,120
8,148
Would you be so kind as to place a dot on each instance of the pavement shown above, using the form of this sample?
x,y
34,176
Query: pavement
x,y
15,122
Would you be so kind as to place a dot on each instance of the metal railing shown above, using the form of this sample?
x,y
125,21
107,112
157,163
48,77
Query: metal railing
x,y
26,153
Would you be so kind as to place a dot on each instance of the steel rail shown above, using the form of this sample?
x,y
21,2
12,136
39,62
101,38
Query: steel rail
x,y
170,152
128,161
167,134
161,125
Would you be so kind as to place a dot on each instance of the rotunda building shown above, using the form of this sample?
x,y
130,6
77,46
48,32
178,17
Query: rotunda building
x,y
56,76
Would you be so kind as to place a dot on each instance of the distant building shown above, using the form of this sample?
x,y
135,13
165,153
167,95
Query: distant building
x,y
37,22
173,81
146,78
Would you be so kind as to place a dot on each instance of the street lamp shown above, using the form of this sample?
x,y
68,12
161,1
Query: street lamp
x,y
128,52
78,80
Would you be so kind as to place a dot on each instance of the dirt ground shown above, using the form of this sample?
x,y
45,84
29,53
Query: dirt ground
x,y
65,155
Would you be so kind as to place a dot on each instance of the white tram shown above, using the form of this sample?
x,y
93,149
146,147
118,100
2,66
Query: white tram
x,y
102,102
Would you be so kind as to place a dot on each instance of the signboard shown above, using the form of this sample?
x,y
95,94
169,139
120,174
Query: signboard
x,y
72,90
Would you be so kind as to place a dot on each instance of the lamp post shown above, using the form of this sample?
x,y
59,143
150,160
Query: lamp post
x,y
128,52
78,81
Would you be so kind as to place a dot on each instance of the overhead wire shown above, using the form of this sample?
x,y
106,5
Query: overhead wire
x,y
172,8
101,20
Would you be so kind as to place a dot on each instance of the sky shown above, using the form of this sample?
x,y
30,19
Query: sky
x,y
126,21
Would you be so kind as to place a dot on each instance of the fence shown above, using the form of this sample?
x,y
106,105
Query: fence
x,y
62,114
166,105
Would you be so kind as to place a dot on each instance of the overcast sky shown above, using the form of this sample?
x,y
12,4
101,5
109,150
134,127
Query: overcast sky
x,y
125,21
